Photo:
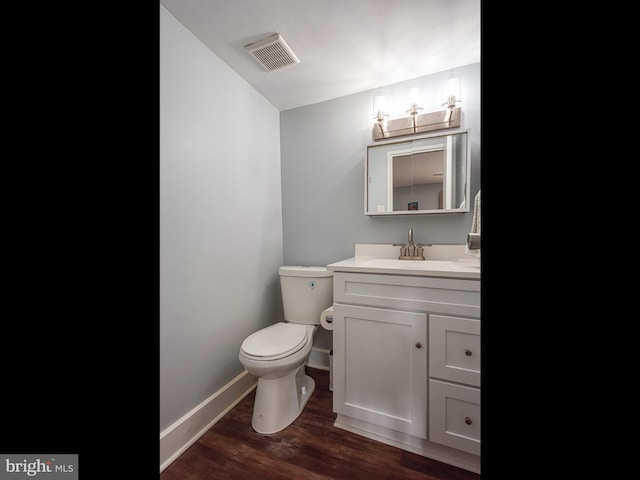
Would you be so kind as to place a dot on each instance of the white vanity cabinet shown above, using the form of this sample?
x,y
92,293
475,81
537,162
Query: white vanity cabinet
x,y
406,362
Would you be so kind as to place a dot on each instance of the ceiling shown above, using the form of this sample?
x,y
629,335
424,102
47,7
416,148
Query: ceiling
x,y
344,46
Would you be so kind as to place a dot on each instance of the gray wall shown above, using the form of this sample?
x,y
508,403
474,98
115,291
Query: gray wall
x,y
244,189
323,149
220,219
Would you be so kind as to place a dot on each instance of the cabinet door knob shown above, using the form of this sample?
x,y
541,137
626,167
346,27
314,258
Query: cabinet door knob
x,y
467,420
418,345
467,352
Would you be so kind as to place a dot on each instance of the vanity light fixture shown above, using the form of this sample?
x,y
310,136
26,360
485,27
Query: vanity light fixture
x,y
452,95
414,109
414,99
416,122
379,107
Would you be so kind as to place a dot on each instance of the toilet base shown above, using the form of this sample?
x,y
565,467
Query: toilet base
x,y
279,401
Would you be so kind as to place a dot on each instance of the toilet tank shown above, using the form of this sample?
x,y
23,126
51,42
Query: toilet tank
x,y
306,292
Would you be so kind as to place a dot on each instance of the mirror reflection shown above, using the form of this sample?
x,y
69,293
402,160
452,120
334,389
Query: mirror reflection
x,y
428,174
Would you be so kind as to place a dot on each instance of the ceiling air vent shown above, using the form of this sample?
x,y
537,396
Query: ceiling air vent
x,y
272,53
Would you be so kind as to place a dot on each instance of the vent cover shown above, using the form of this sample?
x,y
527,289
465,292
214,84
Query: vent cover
x,y
272,53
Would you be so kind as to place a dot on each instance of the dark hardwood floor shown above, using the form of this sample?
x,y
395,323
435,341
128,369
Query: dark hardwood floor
x,y
311,448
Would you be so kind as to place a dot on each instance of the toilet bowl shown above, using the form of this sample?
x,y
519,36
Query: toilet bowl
x,y
283,386
277,354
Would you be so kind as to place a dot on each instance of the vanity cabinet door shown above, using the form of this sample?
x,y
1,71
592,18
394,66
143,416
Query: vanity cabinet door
x,y
380,367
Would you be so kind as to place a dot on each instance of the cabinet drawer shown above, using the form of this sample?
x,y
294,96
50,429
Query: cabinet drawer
x,y
454,349
454,416
426,294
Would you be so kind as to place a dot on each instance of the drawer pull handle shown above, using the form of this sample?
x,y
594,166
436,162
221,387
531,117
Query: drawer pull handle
x,y
467,420
418,345
467,352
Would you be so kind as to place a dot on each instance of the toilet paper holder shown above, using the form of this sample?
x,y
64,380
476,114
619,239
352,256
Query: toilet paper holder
x,y
473,241
329,319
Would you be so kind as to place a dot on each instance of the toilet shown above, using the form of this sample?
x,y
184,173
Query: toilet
x,y
277,354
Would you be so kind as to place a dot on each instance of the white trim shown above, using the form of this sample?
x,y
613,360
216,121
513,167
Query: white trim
x,y
183,433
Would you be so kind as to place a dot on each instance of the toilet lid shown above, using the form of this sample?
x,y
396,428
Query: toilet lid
x,y
278,340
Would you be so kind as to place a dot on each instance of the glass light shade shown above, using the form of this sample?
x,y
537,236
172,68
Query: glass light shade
x,y
452,92
414,96
379,107
414,101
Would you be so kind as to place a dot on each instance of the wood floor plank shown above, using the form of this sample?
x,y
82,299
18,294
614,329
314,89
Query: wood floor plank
x,y
311,448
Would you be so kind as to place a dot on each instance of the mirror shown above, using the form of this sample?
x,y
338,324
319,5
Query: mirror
x,y
422,175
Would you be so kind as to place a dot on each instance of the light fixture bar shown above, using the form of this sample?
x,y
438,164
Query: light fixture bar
x,y
425,122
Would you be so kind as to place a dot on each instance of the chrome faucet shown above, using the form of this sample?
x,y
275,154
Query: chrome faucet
x,y
410,251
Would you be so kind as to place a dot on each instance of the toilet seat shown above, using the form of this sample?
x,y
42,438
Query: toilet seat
x,y
276,341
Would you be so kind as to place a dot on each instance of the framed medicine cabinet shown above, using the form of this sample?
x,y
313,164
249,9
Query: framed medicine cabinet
x,y
422,175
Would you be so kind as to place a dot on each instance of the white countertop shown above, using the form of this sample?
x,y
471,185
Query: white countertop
x,y
449,261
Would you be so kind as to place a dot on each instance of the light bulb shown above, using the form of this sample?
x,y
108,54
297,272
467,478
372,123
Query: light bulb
x,y
452,92
414,101
379,106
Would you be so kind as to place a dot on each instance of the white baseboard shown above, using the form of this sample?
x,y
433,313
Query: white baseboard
x,y
319,358
175,439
